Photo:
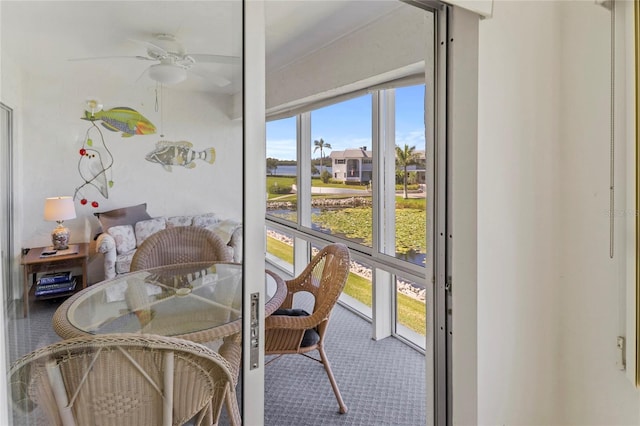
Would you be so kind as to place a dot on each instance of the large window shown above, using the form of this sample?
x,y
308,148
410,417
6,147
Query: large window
x,y
367,151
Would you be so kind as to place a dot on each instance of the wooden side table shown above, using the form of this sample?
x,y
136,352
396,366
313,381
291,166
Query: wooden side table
x,y
33,263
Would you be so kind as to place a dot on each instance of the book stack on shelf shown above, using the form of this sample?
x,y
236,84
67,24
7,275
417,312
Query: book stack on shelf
x,y
55,283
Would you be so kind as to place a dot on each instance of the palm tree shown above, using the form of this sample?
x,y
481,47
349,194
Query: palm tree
x,y
321,145
404,157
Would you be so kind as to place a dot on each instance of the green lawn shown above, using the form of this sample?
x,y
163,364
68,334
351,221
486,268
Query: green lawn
x,y
401,203
411,203
280,180
280,250
319,183
289,181
411,312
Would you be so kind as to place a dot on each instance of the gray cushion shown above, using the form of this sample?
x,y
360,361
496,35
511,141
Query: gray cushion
x,y
311,336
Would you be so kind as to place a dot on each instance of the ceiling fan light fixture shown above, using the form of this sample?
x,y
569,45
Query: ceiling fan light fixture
x,y
92,106
167,73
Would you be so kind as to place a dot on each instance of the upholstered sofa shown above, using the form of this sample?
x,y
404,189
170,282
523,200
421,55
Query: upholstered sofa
x,y
120,238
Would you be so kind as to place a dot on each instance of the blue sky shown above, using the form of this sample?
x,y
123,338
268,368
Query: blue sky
x,y
348,125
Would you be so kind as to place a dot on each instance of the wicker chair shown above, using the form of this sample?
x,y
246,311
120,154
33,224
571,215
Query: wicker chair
x,y
293,331
182,244
124,379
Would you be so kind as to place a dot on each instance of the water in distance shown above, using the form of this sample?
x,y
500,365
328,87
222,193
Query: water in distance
x,y
291,170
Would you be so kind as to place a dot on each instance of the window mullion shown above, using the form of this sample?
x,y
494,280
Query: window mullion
x,y
304,169
383,130
377,129
388,187
301,255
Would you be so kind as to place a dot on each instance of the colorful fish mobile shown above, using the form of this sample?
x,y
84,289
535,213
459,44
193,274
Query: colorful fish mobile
x,y
96,162
180,153
123,119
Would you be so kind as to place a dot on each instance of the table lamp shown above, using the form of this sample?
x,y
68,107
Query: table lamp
x,y
59,209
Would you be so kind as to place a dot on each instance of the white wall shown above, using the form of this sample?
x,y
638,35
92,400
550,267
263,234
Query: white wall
x,y
593,284
549,297
52,134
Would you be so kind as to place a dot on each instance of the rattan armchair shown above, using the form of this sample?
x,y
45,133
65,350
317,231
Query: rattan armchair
x,y
124,379
324,278
181,244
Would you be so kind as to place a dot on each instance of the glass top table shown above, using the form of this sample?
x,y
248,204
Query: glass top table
x,y
200,302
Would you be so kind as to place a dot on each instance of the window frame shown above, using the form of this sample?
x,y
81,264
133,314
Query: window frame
x,y
383,102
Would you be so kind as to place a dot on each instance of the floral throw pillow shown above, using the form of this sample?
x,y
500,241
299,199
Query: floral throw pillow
x,y
149,227
124,238
174,221
205,220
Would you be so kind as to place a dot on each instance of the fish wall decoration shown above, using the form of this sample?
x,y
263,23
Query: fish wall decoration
x,y
122,119
180,153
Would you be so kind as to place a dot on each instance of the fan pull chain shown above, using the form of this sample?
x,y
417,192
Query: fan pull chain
x,y
159,106
162,111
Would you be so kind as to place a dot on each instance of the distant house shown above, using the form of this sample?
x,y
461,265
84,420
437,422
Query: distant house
x,y
419,167
352,165
356,165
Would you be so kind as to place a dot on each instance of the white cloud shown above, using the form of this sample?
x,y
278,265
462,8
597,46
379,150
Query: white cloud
x,y
413,138
282,149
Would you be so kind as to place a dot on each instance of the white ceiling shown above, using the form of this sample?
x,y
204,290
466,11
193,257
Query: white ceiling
x,y
297,28
43,36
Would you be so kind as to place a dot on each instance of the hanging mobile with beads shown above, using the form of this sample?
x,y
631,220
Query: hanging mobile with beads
x,y
95,163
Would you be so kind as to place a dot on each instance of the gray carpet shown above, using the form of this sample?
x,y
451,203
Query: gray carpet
x,y
382,382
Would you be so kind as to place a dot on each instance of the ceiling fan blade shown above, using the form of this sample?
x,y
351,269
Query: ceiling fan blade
x,y
218,59
142,58
213,78
153,47
142,74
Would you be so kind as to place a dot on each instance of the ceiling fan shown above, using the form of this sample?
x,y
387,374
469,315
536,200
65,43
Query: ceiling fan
x,y
173,62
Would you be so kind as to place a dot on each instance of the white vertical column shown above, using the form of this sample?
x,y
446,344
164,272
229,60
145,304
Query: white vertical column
x,y
463,174
304,169
382,304
383,209
388,191
254,207
431,105
302,249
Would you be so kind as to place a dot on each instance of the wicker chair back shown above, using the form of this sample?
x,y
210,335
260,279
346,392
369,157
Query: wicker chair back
x,y
123,379
181,244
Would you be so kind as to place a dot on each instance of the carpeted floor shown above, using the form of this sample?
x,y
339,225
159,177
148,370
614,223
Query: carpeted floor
x,y
382,382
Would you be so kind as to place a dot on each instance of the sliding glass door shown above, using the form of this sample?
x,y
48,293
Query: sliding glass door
x,y
125,104
354,163
6,205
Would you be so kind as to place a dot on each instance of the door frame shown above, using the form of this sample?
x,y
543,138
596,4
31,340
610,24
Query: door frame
x,y
7,232
254,206
7,236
